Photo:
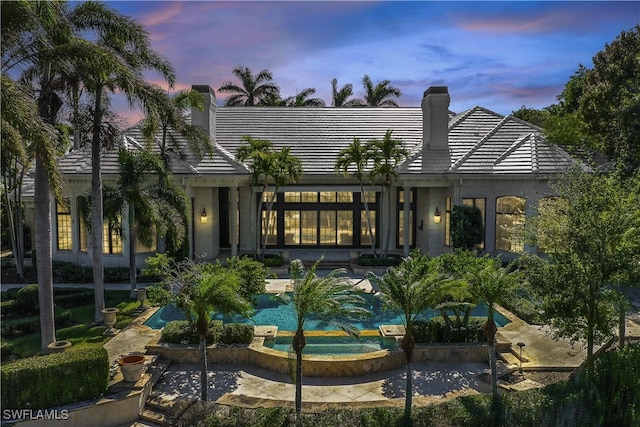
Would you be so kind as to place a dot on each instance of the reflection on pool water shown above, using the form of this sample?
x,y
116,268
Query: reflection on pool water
x,y
269,312
335,345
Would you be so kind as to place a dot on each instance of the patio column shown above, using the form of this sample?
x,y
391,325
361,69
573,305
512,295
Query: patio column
x,y
233,219
406,221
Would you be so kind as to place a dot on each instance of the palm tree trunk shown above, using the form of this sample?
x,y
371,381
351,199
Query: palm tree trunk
x,y
132,250
42,214
97,211
258,232
298,343
494,368
13,235
387,223
408,401
203,369
368,217
268,221
622,311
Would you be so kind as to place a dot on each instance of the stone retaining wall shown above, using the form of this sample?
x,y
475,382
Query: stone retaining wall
x,y
321,366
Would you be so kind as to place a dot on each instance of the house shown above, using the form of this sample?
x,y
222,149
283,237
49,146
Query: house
x,y
500,164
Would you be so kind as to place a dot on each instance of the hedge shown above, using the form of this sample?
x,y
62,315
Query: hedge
x,y
178,332
436,331
44,382
369,260
28,325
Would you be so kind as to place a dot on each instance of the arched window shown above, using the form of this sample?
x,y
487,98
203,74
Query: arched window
x,y
509,218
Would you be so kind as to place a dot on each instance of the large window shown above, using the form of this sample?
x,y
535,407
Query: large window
x,y
400,216
325,218
111,239
481,205
509,219
63,222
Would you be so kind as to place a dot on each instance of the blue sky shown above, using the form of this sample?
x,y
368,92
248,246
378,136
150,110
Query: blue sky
x,y
499,55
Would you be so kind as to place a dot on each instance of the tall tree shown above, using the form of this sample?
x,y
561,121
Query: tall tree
x,y
591,232
301,99
414,286
34,36
467,229
356,156
386,154
331,298
379,95
153,207
340,97
252,89
123,54
491,283
268,167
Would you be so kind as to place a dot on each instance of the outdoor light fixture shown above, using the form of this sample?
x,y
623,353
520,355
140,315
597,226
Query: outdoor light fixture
x,y
436,216
421,226
203,216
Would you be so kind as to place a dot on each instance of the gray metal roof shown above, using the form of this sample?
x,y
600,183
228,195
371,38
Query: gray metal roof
x,y
480,142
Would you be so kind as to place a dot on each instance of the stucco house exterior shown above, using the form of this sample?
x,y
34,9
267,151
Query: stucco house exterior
x,y
500,164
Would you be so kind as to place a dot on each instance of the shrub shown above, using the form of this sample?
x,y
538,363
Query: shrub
x,y
272,260
73,297
436,330
236,333
27,299
68,272
29,325
54,380
253,276
369,260
179,332
6,348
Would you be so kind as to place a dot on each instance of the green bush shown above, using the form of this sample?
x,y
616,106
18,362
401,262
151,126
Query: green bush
x,y
179,332
369,260
272,260
58,379
253,276
65,297
27,299
29,325
236,333
69,272
6,348
436,330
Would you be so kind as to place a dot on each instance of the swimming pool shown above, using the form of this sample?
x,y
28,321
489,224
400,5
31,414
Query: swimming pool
x,y
269,312
335,345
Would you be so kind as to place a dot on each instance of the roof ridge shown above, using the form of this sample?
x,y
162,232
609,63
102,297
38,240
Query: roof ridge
x,y
477,145
230,157
516,144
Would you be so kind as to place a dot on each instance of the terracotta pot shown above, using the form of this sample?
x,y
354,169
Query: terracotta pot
x,y
131,367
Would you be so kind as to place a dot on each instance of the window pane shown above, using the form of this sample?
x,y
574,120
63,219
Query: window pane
x,y
309,197
291,197
82,224
509,216
309,227
291,227
447,222
63,218
401,196
328,227
266,196
365,238
273,228
345,228
370,196
112,242
327,197
345,197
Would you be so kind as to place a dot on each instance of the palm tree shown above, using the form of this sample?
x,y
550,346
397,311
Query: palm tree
x,y
340,97
491,283
217,291
301,99
379,95
33,34
414,286
356,155
332,299
386,154
152,207
252,89
123,53
268,167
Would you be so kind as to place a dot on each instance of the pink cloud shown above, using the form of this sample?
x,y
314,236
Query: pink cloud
x,y
162,15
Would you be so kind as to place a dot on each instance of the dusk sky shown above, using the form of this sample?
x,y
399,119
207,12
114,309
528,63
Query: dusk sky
x,y
499,55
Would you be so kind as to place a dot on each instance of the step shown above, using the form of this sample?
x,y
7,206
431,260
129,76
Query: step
x,y
509,358
151,415
157,403
157,369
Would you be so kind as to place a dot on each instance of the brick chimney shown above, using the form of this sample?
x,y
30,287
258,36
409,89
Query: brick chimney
x,y
205,119
435,129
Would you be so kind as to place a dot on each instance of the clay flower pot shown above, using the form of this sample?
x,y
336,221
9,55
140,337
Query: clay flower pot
x,y
131,367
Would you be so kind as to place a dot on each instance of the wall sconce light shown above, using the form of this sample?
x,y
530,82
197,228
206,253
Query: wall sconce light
x,y
436,216
421,226
203,216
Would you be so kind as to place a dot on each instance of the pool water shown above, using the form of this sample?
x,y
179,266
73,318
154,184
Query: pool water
x,y
269,312
335,345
